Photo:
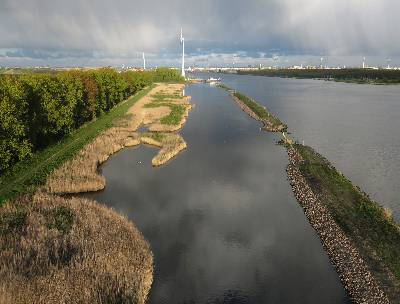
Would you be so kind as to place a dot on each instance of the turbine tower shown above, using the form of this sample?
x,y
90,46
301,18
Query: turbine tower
x,y
363,62
183,54
144,62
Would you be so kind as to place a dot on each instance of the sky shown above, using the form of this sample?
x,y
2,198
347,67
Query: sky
x,y
217,32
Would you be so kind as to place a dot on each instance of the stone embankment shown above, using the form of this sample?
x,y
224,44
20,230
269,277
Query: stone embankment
x,y
268,126
352,269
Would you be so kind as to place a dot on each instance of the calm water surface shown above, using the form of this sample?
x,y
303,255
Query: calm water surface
x,y
357,127
221,217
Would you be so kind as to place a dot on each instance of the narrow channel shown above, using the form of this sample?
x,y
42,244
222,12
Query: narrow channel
x,y
221,217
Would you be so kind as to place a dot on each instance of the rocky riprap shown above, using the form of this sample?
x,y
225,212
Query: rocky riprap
x,y
352,269
267,124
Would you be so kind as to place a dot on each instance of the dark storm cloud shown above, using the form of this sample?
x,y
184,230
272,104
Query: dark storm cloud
x,y
122,28
47,54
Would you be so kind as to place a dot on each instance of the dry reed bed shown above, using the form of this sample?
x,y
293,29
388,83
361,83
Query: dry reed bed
x,y
170,144
57,250
80,174
352,269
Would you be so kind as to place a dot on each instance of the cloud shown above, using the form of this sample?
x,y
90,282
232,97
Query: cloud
x,y
105,30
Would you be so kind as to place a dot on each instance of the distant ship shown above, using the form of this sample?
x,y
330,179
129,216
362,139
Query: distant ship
x,y
213,81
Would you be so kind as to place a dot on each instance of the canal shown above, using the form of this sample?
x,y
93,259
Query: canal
x,y
221,217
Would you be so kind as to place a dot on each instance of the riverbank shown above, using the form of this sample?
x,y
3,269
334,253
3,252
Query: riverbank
x,y
27,176
73,241
351,267
371,230
161,111
360,237
359,76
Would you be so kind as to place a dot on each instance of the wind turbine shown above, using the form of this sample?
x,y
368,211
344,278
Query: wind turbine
x,y
144,62
183,53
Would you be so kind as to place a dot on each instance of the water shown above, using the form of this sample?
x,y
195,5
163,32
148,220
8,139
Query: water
x,y
221,217
357,127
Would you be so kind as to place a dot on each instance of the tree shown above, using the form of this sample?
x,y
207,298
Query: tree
x,y
14,144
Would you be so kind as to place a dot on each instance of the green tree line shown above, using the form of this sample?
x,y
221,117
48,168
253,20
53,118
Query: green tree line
x,y
37,110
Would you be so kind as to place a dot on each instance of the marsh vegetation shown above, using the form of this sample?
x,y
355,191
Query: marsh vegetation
x,y
57,250
80,174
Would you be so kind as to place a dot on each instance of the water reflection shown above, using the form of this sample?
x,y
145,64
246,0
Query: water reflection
x,y
354,126
221,217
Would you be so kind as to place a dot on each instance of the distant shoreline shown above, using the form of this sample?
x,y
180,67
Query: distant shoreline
x,y
357,76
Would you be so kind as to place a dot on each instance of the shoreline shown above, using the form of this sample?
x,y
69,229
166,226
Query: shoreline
x,y
70,237
81,173
270,122
350,75
364,273
352,269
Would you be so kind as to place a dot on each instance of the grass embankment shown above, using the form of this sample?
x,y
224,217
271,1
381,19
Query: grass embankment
x,y
361,76
57,250
255,110
26,176
371,227
272,123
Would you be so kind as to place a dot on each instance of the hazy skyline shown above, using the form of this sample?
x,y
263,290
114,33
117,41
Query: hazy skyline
x,y
271,32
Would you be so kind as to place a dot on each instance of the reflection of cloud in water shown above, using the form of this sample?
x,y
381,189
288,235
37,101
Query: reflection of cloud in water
x,y
349,124
221,217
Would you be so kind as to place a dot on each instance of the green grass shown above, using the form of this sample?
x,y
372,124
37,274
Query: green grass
x,y
361,218
156,104
163,97
260,111
157,136
27,175
224,87
175,116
